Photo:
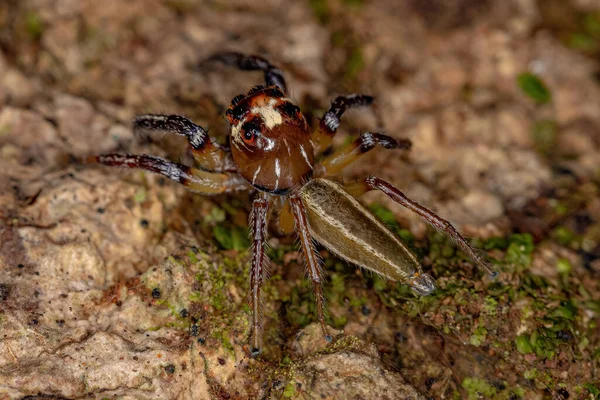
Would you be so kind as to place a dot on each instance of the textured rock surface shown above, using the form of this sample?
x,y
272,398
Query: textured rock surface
x,y
123,285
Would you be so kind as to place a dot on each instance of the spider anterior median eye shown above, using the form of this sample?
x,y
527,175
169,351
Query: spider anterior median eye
x,y
251,131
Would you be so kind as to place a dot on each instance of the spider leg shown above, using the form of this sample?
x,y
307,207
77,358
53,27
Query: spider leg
x,y
330,122
258,224
375,183
311,258
197,180
334,164
273,75
207,153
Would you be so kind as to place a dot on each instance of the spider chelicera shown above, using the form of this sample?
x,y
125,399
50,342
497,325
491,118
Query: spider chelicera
x,y
273,151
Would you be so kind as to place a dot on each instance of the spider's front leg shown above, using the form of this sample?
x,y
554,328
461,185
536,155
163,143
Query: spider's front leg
x,y
258,224
197,180
375,183
311,259
207,153
330,122
273,75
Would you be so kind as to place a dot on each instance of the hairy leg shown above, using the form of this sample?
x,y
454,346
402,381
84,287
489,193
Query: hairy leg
x,y
207,153
196,180
273,75
311,258
375,183
258,224
334,164
330,122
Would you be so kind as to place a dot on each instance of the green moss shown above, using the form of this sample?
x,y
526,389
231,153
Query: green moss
x,y
523,344
140,195
231,238
500,243
290,390
567,310
339,322
476,388
355,63
593,389
544,133
215,216
530,374
519,250
534,88
587,36
478,337
223,336
490,305
388,217
299,307
338,287
320,10
34,26
563,266
543,343
379,283
582,42
563,235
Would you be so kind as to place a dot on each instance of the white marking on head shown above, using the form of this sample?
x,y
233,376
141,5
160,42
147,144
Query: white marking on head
x,y
236,137
256,175
271,116
277,173
236,134
287,146
305,156
270,144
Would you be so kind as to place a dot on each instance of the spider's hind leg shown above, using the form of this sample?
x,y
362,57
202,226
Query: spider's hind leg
x,y
273,75
439,223
312,260
258,226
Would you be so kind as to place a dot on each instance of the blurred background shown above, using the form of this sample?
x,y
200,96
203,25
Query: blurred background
x,y
500,99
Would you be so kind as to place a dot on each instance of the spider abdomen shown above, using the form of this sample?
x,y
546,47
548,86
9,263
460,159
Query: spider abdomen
x,y
347,228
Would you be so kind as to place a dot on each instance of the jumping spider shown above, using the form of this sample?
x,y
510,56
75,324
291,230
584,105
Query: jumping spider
x,y
273,152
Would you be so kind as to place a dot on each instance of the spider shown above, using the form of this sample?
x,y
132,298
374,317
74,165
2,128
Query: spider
x,y
272,151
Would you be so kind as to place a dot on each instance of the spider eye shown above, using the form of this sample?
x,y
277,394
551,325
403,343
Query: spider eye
x,y
251,130
289,109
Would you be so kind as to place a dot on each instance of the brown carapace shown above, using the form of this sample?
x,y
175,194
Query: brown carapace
x,y
273,151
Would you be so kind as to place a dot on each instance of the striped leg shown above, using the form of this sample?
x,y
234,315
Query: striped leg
x,y
311,258
330,122
207,153
197,180
375,183
334,164
273,75
258,223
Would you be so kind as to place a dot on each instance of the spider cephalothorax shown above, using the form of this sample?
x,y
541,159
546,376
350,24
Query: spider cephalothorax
x,y
273,151
270,140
